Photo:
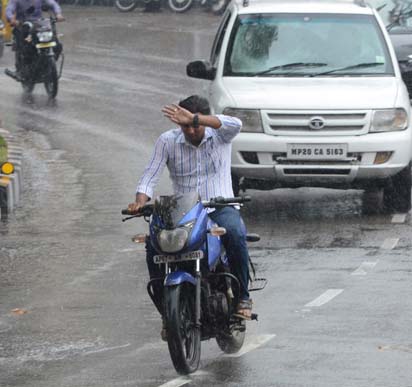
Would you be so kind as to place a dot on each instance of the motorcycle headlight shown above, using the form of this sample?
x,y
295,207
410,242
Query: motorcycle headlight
x,y
45,36
250,119
388,120
172,241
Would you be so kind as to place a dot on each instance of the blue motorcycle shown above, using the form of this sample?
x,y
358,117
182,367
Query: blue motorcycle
x,y
198,294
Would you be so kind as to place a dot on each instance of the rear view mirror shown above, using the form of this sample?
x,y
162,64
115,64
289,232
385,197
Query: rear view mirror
x,y
201,69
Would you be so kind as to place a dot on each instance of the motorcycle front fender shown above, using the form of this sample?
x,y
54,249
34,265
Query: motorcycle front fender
x,y
179,277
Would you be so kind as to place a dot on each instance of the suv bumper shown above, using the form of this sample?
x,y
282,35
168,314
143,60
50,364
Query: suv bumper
x,y
268,160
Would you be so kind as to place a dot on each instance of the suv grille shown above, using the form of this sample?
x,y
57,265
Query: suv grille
x,y
316,122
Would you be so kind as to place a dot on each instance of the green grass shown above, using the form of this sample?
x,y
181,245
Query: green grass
x,y
3,150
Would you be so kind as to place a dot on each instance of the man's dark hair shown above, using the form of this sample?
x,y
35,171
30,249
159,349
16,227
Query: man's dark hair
x,y
195,104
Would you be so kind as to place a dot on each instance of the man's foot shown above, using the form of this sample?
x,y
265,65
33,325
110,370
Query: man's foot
x,y
244,310
13,74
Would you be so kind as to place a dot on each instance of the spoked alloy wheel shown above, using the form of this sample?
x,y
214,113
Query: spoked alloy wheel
x,y
218,6
51,83
180,5
125,5
183,338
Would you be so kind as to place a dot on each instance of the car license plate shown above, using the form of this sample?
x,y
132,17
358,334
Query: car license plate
x,y
317,151
192,255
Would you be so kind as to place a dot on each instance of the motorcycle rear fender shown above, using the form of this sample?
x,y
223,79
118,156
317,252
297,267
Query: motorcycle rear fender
x,y
179,277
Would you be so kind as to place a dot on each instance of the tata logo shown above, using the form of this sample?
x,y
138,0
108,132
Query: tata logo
x,y
317,123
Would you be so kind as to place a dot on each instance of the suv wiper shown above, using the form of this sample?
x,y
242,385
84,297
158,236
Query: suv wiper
x,y
353,67
290,66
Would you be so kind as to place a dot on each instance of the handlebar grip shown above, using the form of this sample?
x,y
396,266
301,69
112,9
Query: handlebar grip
x,y
146,210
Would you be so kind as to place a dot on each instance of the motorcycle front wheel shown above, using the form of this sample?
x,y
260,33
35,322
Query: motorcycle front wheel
x,y
183,337
218,6
51,83
125,5
180,6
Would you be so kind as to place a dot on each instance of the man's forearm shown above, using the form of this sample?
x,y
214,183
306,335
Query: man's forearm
x,y
210,121
142,198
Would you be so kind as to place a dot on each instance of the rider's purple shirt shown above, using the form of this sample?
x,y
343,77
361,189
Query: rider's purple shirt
x,y
21,7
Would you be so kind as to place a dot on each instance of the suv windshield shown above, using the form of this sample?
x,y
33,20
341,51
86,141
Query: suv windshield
x,y
299,44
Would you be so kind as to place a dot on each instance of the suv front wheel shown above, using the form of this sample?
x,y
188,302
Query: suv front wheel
x,y
397,194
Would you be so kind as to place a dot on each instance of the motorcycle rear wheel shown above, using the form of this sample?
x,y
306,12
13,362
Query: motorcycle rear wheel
x,y
51,84
28,86
183,337
180,6
232,342
125,5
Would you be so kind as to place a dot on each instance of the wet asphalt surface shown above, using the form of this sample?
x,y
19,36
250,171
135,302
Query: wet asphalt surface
x,y
73,307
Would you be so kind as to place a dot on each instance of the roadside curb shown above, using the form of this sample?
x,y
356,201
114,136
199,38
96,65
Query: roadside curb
x,y
10,185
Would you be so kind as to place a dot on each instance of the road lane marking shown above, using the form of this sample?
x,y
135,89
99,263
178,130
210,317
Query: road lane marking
x,y
177,382
324,298
399,218
389,243
106,349
256,342
182,380
364,268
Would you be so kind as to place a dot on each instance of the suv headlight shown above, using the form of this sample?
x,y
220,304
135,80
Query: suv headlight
x,y
45,36
172,241
250,119
388,120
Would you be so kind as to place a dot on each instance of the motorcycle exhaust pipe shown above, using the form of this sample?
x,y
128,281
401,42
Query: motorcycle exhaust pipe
x,y
13,75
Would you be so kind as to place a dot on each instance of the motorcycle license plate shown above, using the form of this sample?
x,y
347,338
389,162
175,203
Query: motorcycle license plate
x,y
317,151
45,45
192,255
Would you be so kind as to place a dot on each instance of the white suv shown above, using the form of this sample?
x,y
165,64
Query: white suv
x,y
318,88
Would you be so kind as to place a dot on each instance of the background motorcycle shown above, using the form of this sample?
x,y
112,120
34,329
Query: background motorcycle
x,y
197,295
38,56
216,6
130,5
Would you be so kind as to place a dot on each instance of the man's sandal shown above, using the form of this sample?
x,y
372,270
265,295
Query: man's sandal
x,y
244,310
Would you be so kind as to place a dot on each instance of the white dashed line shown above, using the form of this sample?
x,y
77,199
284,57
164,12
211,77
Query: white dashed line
x,y
177,382
364,268
183,379
256,342
389,243
399,218
324,298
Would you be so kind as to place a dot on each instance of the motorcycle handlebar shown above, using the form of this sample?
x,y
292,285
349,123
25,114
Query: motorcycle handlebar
x,y
221,201
144,211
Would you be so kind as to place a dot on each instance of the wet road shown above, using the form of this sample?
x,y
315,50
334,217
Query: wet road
x,y
336,311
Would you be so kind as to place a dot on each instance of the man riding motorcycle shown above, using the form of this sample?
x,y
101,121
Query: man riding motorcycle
x,y
197,155
20,11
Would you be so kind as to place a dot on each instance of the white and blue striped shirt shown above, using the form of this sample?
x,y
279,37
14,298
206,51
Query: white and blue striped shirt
x,y
204,169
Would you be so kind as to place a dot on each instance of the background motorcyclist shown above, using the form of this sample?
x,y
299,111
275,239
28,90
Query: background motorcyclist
x,y
19,11
198,156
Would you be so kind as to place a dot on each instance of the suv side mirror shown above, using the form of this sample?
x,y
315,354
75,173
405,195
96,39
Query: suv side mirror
x,y
201,69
